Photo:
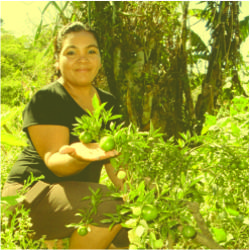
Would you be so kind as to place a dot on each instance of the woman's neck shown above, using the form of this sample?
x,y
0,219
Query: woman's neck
x,y
82,95
79,91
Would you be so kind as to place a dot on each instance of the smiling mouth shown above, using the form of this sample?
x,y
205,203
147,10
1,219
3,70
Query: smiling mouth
x,y
83,70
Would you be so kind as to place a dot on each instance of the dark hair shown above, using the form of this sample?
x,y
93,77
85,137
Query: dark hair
x,y
69,28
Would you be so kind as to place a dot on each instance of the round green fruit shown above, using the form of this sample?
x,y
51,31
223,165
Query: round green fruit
x,y
85,137
82,230
149,212
107,143
188,232
121,175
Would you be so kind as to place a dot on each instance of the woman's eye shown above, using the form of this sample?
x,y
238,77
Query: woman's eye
x,y
92,51
70,53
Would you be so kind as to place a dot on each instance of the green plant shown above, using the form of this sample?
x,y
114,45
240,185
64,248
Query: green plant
x,y
96,124
86,214
16,224
188,181
7,136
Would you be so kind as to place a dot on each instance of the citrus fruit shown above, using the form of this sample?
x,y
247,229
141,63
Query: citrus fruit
x,y
107,143
85,137
188,232
121,174
149,212
82,230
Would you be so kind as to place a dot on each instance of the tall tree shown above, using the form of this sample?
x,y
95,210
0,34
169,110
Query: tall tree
x,y
148,49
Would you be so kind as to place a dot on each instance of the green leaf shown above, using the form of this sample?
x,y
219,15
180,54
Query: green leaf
x,y
183,179
196,180
95,102
232,211
235,130
114,117
10,200
12,140
130,223
181,143
104,221
139,230
219,234
10,115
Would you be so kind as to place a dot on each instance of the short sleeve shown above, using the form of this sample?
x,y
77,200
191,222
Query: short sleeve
x,y
44,108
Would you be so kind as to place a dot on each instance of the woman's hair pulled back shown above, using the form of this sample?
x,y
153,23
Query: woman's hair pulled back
x,y
69,28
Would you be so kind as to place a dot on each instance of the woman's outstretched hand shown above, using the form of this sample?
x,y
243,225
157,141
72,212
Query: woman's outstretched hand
x,y
87,152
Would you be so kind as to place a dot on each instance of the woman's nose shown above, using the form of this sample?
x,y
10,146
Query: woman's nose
x,y
83,58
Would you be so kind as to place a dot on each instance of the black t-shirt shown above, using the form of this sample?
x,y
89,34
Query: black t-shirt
x,y
53,105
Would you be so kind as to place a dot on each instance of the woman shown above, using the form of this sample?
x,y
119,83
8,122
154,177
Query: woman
x,y
69,167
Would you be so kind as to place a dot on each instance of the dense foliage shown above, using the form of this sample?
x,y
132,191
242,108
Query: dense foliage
x,y
189,194
24,68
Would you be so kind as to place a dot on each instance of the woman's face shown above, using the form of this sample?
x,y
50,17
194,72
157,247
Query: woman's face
x,y
79,60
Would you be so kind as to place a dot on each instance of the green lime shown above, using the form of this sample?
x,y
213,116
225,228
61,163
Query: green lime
x,y
107,143
188,232
82,230
149,212
85,137
121,174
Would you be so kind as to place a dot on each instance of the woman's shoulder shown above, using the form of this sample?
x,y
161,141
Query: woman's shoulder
x,y
52,91
53,87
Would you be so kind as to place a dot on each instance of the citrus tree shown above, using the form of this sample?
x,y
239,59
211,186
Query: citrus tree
x,y
189,193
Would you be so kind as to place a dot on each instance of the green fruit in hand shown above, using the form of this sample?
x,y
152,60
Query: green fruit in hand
x,y
107,143
188,232
85,137
149,212
82,230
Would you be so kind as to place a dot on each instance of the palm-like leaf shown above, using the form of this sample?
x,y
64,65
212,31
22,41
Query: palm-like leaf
x,y
244,28
201,49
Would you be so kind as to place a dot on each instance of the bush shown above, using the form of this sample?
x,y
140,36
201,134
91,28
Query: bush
x,y
12,92
198,182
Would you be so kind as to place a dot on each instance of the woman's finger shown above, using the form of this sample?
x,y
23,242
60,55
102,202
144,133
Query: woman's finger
x,y
66,150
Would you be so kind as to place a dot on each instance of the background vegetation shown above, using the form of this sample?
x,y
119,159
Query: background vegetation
x,y
153,63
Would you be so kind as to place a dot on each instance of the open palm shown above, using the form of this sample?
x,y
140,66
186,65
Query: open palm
x,y
87,152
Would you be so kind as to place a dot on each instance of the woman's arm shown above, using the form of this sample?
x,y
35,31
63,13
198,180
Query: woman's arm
x,y
113,176
52,144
